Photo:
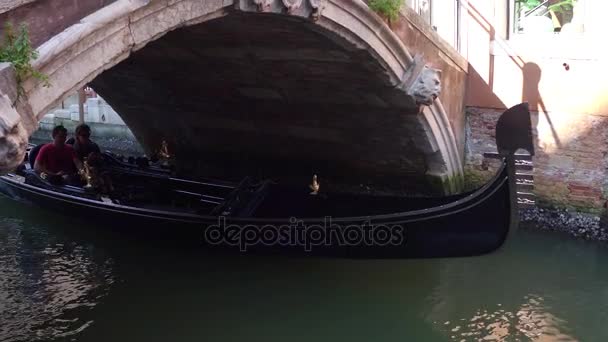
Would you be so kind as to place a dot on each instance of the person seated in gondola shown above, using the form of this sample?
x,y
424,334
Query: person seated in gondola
x,y
57,162
82,143
89,153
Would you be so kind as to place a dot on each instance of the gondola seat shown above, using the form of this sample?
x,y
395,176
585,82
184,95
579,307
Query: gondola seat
x,y
32,178
243,200
33,153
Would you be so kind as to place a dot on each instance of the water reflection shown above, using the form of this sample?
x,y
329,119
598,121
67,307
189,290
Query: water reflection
x,y
46,282
63,281
533,321
540,288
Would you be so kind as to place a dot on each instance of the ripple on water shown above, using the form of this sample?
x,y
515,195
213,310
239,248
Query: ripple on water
x,y
530,322
45,283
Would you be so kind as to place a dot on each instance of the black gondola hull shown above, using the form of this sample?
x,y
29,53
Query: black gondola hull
x,y
473,225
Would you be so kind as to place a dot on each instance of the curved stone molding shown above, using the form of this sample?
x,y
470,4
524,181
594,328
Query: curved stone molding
x,y
8,5
77,55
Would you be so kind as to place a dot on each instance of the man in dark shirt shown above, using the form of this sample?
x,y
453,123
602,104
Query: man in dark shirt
x,y
83,144
90,155
57,159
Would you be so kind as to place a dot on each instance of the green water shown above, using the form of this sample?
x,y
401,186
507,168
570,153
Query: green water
x,y
60,280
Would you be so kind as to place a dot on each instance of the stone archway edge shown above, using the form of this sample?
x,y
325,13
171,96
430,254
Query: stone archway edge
x,y
130,24
75,56
99,41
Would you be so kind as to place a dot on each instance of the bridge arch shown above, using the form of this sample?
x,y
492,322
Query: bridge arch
x,y
405,88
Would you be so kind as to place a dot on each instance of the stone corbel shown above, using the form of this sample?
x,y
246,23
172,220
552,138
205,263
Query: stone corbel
x,y
422,82
263,5
317,8
14,131
303,8
292,5
13,137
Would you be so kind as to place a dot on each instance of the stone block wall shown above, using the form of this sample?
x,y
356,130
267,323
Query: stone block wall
x,y
571,161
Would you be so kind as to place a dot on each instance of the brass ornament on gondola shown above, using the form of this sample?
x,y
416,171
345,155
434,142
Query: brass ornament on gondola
x,y
315,186
90,175
164,153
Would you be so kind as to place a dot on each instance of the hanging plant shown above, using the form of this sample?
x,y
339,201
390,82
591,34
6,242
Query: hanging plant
x,y
529,4
386,8
563,6
17,50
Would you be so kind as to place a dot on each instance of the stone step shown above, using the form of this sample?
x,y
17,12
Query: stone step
x,y
527,176
525,187
518,156
526,204
525,196
524,181
524,165
523,162
524,177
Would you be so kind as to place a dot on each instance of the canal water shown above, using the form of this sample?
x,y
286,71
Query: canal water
x,y
61,280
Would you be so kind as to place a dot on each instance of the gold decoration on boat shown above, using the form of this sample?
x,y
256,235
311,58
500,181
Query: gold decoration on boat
x,y
164,151
314,186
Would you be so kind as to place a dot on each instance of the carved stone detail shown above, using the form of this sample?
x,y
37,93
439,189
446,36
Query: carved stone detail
x,y
12,148
263,5
422,82
292,5
13,137
303,8
428,87
317,8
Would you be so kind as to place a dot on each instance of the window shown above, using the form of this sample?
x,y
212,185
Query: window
x,y
547,16
443,16
422,7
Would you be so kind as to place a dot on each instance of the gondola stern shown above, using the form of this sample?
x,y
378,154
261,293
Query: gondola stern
x,y
514,131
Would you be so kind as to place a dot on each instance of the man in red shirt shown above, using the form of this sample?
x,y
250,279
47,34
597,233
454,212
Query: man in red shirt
x,y
58,159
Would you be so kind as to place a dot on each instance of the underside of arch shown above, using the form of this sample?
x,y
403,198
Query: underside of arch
x,y
275,88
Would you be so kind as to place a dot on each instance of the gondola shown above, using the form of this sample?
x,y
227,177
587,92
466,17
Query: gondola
x,y
267,218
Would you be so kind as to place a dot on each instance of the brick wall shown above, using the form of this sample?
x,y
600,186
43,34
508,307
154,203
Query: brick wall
x,y
46,18
571,161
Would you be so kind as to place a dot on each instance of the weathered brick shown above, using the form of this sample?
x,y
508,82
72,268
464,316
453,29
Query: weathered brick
x,y
571,172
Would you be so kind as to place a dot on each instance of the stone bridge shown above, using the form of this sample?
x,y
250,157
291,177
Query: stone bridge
x,y
271,88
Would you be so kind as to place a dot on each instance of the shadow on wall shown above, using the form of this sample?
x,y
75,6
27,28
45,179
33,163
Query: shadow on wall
x,y
530,93
570,163
531,73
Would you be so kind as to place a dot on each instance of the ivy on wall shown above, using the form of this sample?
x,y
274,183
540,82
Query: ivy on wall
x,y
17,49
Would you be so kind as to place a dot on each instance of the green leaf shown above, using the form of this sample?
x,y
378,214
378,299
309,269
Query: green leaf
x,y
17,50
387,8
562,6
